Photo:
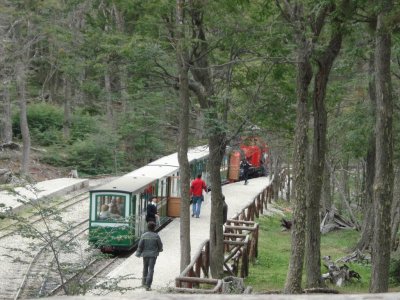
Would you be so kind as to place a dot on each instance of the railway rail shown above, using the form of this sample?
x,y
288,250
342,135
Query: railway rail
x,y
44,271
18,249
70,200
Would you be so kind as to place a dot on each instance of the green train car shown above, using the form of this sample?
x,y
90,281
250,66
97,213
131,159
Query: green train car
x,y
118,208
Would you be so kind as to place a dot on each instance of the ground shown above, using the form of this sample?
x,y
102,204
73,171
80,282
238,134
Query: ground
x,y
11,160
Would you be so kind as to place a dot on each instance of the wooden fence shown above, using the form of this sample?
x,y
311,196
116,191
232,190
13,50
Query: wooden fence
x,y
240,248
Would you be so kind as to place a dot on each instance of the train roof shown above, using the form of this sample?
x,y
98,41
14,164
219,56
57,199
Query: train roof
x,y
142,177
172,159
126,183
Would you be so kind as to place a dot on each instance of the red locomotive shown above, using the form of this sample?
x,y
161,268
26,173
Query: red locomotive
x,y
256,151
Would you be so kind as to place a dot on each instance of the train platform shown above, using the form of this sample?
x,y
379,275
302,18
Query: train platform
x,y
40,190
237,197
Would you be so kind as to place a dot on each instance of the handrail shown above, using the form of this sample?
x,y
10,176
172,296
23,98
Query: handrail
x,y
240,244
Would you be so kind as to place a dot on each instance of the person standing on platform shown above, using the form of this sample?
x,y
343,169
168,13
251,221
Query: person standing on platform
x,y
196,191
245,165
224,210
151,213
149,247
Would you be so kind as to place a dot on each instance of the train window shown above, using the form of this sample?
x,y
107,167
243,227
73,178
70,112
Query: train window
x,y
110,207
144,198
175,186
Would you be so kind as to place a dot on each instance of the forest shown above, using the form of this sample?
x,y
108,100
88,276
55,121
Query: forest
x,y
105,86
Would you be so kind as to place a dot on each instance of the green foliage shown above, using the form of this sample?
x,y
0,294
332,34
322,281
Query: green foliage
x,y
394,270
97,154
82,125
352,130
55,156
269,271
44,121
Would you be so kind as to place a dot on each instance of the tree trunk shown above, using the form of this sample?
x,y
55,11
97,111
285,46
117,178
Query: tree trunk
x,y
67,108
182,63
326,194
304,76
204,89
276,170
343,182
289,183
6,132
364,242
217,149
108,95
313,238
395,212
383,182
26,139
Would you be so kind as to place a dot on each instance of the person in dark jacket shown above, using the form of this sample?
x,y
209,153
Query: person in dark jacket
x,y
224,210
149,247
245,165
151,212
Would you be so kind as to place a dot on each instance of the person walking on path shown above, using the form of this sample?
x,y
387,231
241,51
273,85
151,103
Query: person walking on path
x,y
149,247
245,165
196,191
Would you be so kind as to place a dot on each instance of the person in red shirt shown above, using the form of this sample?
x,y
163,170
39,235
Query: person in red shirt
x,y
196,191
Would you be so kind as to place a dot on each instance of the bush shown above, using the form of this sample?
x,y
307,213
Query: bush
x,y
82,125
98,154
394,271
55,156
45,123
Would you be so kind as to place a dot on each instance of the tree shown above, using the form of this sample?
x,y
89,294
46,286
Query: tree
x,y
327,14
204,89
383,181
182,59
295,14
368,220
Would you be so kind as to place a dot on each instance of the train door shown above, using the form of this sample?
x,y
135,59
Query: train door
x,y
174,197
224,169
139,213
162,196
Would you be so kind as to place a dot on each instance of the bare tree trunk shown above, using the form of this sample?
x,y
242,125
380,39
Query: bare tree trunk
x,y
395,212
108,95
304,76
217,149
383,182
6,132
276,170
313,239
326,194
26,139
123,73
182,62
289,183
364,242
67,108
343,183
204,89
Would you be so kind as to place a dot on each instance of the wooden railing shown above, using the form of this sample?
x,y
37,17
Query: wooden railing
x,y
240,247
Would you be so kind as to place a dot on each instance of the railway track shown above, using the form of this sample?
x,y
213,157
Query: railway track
x,y
71,200
44,271
27,264
18,247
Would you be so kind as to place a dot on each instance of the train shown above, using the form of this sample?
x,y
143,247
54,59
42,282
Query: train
x,y
118,208
256,151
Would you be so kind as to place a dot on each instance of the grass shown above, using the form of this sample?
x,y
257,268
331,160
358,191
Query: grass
x,y
268,273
